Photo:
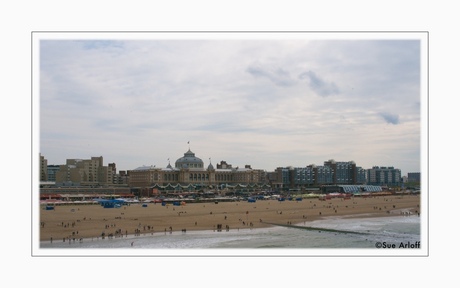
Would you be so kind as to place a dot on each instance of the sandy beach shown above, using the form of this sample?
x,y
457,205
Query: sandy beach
x,y
92,221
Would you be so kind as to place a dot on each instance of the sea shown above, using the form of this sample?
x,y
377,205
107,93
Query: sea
x,y
391,235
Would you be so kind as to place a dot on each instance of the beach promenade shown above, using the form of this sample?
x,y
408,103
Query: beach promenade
x,y
74,222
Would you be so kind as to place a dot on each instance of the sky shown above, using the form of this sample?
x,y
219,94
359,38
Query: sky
x,y
266,100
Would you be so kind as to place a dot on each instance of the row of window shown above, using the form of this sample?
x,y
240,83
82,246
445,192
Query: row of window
x,y
198,177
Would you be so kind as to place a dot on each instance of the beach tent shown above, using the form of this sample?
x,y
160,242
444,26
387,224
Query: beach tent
x,y
113,203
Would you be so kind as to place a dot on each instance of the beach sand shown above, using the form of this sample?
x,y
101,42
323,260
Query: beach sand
x,y
90,221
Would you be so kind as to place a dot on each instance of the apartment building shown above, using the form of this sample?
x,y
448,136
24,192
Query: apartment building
x,y
346,172
384,176
331,172
86,172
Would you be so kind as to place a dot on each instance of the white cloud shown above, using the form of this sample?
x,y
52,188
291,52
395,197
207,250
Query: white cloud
x,y
258,102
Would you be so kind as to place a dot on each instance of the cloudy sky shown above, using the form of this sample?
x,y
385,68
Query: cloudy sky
x,y
267,100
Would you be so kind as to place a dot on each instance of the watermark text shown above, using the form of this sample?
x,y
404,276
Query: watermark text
x,y
399,245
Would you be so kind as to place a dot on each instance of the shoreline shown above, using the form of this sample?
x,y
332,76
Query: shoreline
x,y
300,226
72,223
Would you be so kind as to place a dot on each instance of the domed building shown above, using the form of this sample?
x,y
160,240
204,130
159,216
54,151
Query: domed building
x,y
189,161
190,174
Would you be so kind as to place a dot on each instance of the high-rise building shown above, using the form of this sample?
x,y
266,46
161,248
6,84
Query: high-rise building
x,y
343,172
332,173
43,168
52,169
384,176
324,175
303,176
85,172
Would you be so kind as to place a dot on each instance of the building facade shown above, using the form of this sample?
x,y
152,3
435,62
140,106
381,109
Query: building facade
x,y
346,172
190,172
332,173
413,177
384,176
85,172
52,170
43,169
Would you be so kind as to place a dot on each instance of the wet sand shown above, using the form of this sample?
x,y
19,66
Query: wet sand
x,y
91,221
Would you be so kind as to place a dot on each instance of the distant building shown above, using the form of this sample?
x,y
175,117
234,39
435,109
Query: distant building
x,y
43,169
52,169
81,172
413,177
303,176
346,172
331,173
85,172
189,173
384,176
324,175
224,165
121,178
281,178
